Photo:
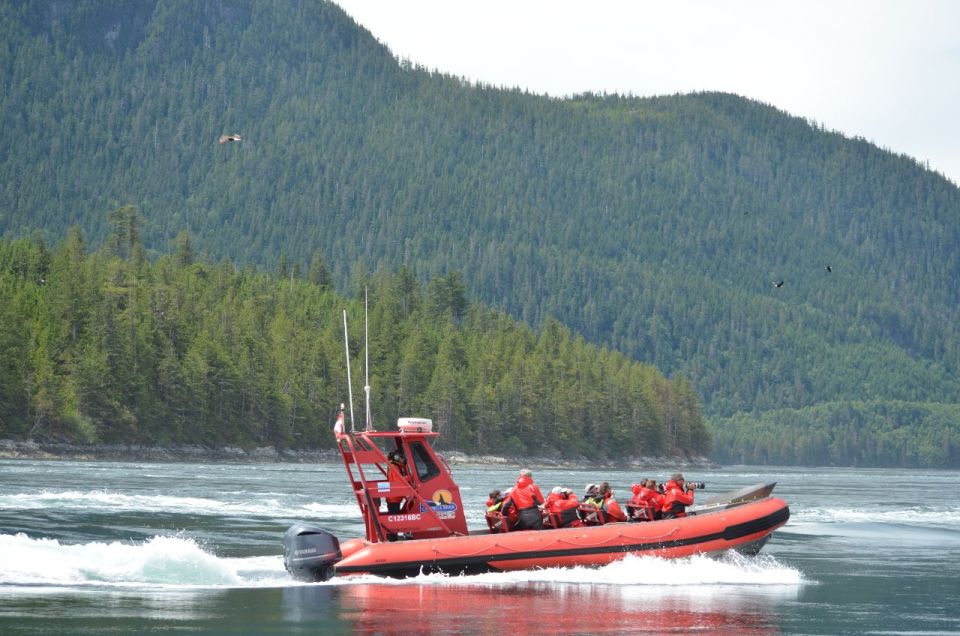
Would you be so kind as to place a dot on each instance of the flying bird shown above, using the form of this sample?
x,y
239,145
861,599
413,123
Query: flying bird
x,y
829,269
777,284
228,138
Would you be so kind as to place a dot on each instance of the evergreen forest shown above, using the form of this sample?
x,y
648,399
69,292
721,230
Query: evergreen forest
x,y
804,283
111,347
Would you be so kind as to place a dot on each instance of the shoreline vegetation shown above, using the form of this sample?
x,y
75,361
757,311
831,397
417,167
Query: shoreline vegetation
x,y
110,348
13,449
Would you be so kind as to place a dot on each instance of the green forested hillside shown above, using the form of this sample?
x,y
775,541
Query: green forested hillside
x,y
109,347
654,226
876,434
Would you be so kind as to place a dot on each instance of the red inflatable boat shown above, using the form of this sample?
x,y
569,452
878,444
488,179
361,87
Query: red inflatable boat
x,y
429,533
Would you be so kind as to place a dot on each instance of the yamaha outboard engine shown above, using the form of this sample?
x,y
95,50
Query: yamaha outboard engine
x,y
309,552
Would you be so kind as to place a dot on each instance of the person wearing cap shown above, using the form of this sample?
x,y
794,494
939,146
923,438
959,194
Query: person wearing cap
x,y
591,495
676,498
397,476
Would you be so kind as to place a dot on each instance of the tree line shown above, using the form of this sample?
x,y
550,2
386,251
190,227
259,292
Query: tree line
x,y
110,346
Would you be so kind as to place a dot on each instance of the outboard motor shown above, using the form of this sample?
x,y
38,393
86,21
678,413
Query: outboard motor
x,y
309,552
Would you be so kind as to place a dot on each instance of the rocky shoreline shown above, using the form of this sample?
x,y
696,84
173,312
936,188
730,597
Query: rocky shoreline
x,y
12,449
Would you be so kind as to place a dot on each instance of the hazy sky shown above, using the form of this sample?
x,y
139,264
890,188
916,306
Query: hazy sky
x,y
885,70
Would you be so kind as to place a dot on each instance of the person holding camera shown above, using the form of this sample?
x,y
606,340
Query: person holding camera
x,y
676,497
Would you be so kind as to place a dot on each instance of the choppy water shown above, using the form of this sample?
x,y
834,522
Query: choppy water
x,y
93,547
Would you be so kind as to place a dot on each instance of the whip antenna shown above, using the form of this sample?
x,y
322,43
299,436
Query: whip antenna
x,y
366,362
346,347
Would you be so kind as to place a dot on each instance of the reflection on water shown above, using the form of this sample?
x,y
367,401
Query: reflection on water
x,y
403,607
535,608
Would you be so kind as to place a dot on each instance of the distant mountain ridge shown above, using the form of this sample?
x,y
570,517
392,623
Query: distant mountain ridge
x,y
653,225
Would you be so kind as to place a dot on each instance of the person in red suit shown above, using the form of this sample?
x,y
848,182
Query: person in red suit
x,y
646,502
527,499
397,476
611,509
676,498
561,507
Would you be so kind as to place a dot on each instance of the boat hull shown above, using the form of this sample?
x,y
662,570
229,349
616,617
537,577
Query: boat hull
x,y
745,527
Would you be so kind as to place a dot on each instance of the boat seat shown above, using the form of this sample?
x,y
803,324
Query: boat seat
x,y
591,515
640,512
568,518
497,523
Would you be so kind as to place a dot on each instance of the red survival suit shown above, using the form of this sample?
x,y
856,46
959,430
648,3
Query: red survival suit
x,y
526,498
561,510
600,508
612,509
397,480
675,500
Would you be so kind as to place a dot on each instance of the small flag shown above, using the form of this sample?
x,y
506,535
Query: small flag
x,y
338,427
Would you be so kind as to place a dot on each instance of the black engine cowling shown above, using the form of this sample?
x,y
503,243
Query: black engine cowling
x,y
309,552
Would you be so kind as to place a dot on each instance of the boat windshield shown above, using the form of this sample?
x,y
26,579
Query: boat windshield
x,y
427,469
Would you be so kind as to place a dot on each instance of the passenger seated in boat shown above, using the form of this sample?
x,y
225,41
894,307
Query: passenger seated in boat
x,y
676,498
646,502
561,509
591,507
527,499
601,507
502,515
633,505
495,520
495,501
609,505
591,495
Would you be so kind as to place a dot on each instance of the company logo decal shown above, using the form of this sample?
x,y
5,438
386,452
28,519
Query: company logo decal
x,y
441,502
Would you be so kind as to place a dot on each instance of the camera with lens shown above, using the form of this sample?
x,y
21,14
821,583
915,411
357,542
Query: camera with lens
x,y
695,485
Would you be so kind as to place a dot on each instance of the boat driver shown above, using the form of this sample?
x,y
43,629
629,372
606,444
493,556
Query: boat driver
x,y
396,475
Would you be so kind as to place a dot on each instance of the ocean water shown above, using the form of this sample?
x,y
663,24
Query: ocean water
x,y
112,547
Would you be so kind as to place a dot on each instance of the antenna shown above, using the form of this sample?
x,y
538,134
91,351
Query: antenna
x,y
366,363
346,347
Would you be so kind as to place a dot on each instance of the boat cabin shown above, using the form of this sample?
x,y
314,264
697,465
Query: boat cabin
x,y
431,504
